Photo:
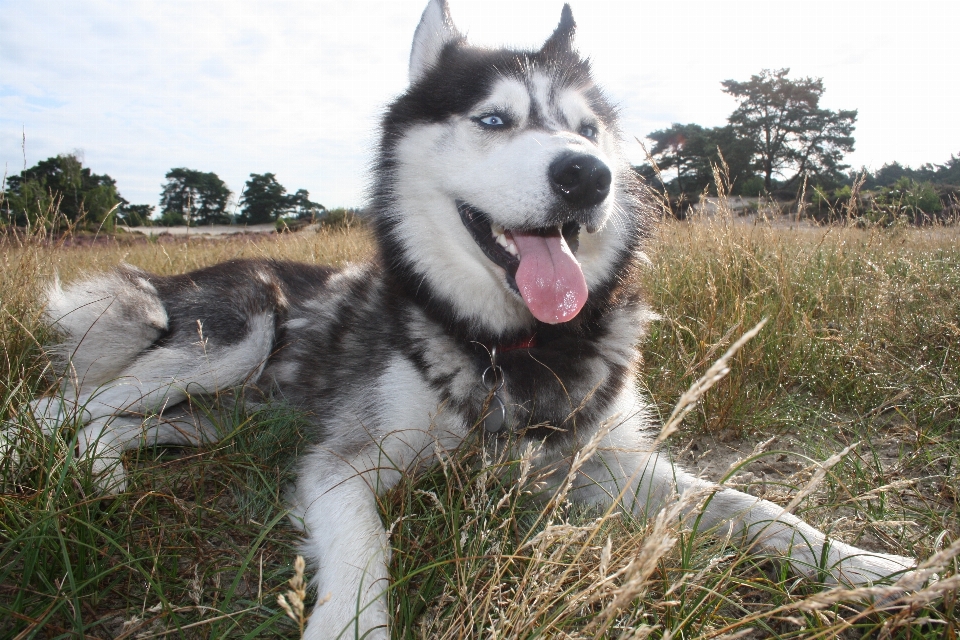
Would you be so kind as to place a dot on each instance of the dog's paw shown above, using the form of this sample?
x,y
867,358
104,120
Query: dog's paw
x,y
52,411
9,435
18,452
107,473
37,420
9,453
19,445
865,567
99,451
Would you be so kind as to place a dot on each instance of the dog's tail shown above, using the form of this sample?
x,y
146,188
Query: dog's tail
x,y
106,321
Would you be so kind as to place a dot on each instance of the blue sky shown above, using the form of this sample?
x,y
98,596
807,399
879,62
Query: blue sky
x,y
296,87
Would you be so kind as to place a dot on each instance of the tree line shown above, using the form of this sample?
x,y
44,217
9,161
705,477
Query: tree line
x,y
61,185
778,142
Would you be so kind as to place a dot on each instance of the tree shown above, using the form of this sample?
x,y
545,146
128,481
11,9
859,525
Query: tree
x,y
264,199
791,133
193,197
737,155
693,152
887,175
949,172
938,174
61,184
303,208
680,148
134,215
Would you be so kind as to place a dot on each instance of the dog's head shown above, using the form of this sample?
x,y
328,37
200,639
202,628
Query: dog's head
x,y
501,192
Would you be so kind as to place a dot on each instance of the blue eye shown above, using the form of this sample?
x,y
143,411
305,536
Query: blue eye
x,y
493,121
588,131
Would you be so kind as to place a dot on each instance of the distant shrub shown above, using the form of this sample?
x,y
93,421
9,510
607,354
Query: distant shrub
x,y
831,205
341,217
752,186
171,218
906,201
135,215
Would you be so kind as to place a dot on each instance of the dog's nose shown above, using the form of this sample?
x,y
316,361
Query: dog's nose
x,y
580,179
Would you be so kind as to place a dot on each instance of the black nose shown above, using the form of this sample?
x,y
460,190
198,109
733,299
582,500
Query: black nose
x,y
580,179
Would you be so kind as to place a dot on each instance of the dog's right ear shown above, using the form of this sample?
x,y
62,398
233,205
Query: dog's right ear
x,y
436,30
560,44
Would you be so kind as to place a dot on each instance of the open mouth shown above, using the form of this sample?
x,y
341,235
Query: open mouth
x,y
540,264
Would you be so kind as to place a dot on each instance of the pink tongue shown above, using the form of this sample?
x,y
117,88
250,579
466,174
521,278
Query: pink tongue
x,y
549,277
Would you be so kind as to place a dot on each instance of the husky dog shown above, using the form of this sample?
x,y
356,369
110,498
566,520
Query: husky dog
x,y
502,298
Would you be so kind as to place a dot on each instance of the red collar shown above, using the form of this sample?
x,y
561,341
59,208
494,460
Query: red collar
x,y
527,343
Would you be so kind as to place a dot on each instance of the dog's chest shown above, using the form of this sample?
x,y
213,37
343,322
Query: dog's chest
x,y
346,355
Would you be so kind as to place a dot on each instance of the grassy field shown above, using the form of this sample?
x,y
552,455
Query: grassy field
x,y
862,347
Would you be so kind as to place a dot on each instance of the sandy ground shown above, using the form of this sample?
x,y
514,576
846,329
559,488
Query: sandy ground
x,y
712,206
713,458
780,457
210,230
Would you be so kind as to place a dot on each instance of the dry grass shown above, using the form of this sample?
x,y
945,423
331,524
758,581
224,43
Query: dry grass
x,y
862,344
71,255
860,321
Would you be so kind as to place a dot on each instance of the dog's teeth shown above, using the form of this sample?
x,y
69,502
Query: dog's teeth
x,y
496,229
507,244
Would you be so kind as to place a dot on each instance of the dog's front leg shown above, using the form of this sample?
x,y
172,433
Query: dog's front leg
x,y
651,482
626,467
336,501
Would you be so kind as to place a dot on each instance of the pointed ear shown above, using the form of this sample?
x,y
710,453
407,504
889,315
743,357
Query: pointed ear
x,y
561,42
434,32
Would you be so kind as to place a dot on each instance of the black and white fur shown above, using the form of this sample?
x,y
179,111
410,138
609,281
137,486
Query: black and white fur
x,y
386,357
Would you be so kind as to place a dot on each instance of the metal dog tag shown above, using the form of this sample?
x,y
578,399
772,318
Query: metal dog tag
x,y
496,415
492,380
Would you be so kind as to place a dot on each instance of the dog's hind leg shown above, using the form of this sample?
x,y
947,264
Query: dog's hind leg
x,y
113,362
163,378
106,323
102,441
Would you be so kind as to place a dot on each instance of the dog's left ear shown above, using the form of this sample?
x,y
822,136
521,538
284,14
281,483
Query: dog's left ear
x,y
435,31
560,44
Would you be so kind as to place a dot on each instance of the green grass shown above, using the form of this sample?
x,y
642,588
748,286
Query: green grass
x,y
862,345
198,540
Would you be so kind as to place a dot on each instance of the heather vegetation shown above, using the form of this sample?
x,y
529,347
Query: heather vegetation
x,y
860,354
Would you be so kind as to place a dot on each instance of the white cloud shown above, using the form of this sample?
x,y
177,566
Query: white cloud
x,y
296,87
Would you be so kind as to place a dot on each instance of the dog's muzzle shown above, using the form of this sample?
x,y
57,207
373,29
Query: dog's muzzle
x,y
540,262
